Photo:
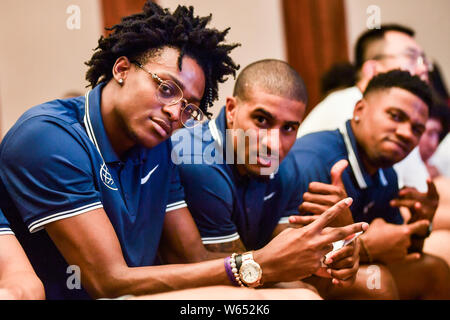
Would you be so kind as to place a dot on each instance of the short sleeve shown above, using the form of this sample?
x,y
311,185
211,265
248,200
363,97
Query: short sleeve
x,y
4,225
304,167
47,172
176,192
210,200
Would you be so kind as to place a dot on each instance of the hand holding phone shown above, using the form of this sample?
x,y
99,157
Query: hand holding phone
x,y
337,245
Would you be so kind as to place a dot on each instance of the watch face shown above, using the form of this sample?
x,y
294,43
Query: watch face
x,y
250,272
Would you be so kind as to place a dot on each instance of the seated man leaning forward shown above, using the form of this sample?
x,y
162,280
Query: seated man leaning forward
x,y
387,124
229,166
87,183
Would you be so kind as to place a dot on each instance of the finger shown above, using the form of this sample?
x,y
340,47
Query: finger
x,y
336,172
343,232
345,263
327,200
432,190
412,257
323,188
418,227
316,209
329,215
409,203
343,274
340,254
303,220
411,193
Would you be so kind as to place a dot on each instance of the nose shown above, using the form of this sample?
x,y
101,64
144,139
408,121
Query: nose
x,y
405,133
421,69
173,110
271,140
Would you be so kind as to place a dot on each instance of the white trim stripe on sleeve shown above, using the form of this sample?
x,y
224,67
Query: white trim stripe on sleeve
x,y
5,231
39,224
176,205
223,239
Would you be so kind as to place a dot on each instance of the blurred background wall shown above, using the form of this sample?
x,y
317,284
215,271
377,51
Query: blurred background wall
x,y
44,43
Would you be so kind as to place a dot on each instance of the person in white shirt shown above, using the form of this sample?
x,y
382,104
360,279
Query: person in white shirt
x,y
376,51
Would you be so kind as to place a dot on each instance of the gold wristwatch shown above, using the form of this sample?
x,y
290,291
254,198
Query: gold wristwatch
x,y
250,272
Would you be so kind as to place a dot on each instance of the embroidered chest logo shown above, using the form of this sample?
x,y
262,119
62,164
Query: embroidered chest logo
x,y
106,177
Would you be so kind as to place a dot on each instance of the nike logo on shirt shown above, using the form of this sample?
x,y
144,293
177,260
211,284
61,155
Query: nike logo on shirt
x,y
145,179
269,196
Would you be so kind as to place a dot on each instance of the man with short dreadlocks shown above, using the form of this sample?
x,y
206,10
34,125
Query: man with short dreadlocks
x,y
87,183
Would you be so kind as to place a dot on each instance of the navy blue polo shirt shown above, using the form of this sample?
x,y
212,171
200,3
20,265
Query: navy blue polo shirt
x,y
225,205
4,225
316,153
56,162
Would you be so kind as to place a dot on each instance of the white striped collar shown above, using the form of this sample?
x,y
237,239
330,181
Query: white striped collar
x,y
355,163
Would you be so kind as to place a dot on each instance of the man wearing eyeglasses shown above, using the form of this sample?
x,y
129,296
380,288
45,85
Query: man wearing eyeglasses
x,y
376,51
88,184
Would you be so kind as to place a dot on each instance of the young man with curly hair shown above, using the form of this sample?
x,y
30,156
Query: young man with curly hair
x,y
88,186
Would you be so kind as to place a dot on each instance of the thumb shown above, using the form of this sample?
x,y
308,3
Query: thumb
x,y
336,172
418,227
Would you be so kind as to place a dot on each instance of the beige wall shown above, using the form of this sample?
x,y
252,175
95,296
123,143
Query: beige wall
x,y
256,24
428,18
40,58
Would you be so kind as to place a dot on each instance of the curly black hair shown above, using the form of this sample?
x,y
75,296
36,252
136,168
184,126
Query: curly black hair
x,y
140,36
403,80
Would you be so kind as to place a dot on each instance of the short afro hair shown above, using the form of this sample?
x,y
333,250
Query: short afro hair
x,y
403,80
273,76
141,36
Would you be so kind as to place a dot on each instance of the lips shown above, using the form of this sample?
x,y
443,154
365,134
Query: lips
x,y
162,127
401,145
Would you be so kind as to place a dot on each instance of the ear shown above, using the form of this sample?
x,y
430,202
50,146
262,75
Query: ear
x,y
358,110
121,68
230,110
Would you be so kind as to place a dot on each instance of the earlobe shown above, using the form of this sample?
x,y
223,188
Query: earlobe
x,y
120,69
357,110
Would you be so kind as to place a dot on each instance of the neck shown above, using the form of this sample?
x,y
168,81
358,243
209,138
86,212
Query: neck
x,y
368,165
115,129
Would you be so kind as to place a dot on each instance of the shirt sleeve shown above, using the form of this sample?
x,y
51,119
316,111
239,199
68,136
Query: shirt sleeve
x,y
304,169
176,193
4,225
47,172
210,200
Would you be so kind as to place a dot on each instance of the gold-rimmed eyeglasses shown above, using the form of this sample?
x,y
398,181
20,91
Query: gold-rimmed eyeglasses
x,y
169,93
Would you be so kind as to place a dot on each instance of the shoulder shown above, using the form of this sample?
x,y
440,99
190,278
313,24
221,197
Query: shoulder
x,y
322,144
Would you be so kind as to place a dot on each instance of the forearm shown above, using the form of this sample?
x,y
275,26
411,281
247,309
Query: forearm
x,y
21,286
155,279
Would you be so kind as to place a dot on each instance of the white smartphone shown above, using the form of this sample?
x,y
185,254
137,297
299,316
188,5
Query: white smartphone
x,y
340,244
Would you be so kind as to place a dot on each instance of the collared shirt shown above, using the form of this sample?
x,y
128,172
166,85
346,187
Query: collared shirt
x,y
316,153
337,108
225,205
4,225
441,159
57,162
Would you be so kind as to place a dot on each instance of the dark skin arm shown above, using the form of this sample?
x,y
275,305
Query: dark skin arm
x,y
180,240
89,241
